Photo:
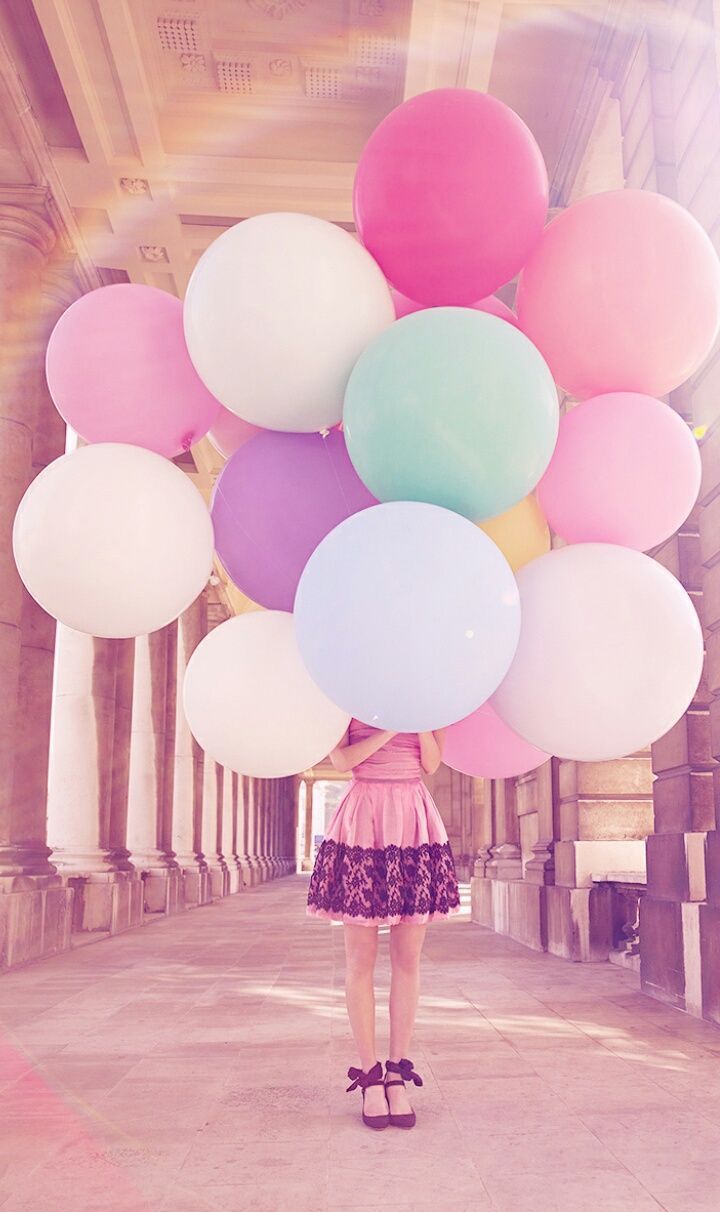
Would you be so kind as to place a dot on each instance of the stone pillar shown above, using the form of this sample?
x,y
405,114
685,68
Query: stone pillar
x,y
187,770
261,808
250,861
227,833
147,803
505,859
211,826
240,850
306,806
238,839
87,783
34,904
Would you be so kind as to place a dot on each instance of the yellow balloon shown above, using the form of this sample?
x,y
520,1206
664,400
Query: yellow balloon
x,y
521,533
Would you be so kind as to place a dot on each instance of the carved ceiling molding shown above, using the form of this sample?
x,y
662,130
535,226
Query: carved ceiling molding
x,y
277,9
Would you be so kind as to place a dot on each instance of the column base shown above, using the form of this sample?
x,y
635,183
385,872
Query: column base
x,y
162,890
219,879
573,923
35,919
195,883
106,902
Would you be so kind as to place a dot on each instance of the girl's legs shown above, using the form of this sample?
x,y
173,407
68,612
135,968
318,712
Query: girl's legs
x,y
361,944
406,943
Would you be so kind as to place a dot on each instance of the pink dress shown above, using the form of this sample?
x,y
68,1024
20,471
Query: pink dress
x,y
385,857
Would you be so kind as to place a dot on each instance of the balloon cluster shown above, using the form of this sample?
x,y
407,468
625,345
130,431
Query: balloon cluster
x,y
395,453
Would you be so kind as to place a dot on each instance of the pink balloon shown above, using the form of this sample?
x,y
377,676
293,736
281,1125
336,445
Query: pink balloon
x,y
450,196
229,432
626,470
622,294
491,305
119,371
484,746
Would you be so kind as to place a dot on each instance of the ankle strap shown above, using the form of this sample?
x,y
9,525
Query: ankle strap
x,y
405,1068
373,1077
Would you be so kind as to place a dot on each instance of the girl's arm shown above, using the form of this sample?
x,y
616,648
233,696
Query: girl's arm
x,y
345,757
431,747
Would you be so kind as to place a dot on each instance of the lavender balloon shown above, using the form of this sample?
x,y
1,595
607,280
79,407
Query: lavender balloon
x,y
277,497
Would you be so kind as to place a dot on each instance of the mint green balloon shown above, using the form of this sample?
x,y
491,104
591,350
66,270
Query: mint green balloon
x,y
454,407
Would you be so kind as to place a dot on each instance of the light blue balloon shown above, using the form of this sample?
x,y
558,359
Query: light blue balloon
x,y
407,616
454,407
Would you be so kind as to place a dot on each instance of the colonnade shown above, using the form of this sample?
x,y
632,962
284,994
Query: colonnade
x,y
109,811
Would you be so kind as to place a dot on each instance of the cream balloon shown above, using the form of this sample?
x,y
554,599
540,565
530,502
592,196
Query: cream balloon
x,y
113,540
610,653
277,312
521,533
250,702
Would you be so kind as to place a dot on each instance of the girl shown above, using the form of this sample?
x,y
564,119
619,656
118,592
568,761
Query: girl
x,y
385,860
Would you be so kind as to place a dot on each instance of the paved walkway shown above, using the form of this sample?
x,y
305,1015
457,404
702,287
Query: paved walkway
x,y
200,1064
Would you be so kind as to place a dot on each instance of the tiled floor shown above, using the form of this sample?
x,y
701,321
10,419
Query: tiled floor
x,y
200,1064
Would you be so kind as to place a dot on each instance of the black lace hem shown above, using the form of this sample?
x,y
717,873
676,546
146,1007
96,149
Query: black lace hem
x,y
389,882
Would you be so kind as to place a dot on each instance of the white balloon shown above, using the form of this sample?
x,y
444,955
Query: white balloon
x,y
277,312
113,540
610,653
250,702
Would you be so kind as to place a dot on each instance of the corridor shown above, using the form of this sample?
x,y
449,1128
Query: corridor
x,y
199,1063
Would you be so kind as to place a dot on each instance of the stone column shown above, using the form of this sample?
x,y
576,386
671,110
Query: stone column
x,y
87,782
505,859
250,861
34,905
240,850
306,806
187,770
147,834
278,788
211,826
227,834
258,810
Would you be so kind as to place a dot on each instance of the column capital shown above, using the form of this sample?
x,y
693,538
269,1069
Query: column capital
x,y
27,225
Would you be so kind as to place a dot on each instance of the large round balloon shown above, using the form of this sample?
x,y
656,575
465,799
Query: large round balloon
x,y
622,294
276,498
521,533
453,407
626,470
492,305
450,196
113,540
277,311
407,616
118,370
483,746
610,653
250,703
229,432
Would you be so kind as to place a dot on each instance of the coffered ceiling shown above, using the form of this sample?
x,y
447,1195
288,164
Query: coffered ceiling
x,y
169,120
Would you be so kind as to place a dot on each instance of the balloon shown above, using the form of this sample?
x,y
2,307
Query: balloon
x,y
622,294
274,501
610,653
453,407
277,311
492,305
113,540
407,616
250,703
119,371
229,432
521,533
626,470
483,746
450,196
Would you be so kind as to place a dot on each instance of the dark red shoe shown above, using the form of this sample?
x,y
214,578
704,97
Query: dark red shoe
x,y
405,1068
373,1077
